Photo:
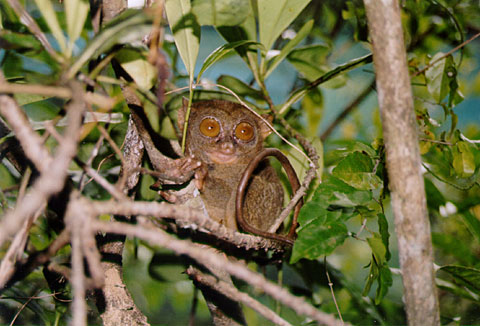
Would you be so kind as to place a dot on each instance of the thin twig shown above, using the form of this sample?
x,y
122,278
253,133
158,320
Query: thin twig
x,y
57,91
330,285
53,176
431,64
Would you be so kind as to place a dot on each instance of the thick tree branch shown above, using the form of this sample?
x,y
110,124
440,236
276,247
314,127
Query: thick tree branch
x,y
403,161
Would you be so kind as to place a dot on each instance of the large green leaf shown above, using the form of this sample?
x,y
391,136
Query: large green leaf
x,y
320,235
221,12
466,276
334,191
186,32
275,16
357,170
302,33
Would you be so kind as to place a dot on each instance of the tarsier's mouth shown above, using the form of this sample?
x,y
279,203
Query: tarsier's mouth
x,y
223,158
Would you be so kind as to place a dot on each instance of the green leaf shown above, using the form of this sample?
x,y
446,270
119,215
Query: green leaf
x,y
76,12
466,276
334,191
302,33
18,41
312,106
128,26
379,269
138,67
239,87
320,235
186,32
48,12
384,283
221,12
440,165
455,289
300,163
438,77
221,51
275,16
379,250
357,170
463,159
383,230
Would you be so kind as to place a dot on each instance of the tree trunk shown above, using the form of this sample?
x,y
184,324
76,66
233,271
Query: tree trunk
x,y
403,162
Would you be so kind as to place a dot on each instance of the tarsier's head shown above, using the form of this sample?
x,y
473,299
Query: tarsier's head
x,y
222,132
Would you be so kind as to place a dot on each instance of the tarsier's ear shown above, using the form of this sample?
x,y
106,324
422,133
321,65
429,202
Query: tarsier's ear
x,y
181,113
264,128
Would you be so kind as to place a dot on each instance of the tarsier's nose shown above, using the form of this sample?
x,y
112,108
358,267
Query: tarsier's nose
x,y
227,147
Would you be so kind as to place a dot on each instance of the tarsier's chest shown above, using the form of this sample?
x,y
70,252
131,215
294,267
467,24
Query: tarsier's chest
x,y
263,200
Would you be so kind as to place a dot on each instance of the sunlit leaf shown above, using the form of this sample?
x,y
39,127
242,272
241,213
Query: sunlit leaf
x,y
441,77
222,51
128,26
300,163
302,33
186,32
221,12
357,170
312,106
76,12
463,159
48,12
138,67
275,16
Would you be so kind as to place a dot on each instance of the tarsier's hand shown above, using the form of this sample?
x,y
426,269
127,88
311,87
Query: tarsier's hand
x,y
185,166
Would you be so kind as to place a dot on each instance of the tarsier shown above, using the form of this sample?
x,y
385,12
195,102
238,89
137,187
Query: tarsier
x,y
225,137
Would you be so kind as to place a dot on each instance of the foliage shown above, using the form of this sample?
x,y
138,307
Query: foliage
x,y
321,45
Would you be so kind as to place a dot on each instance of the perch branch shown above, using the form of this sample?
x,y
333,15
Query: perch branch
x,y
186,217
216,261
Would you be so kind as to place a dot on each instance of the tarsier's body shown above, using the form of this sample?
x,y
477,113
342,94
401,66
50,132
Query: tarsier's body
x,y
225,137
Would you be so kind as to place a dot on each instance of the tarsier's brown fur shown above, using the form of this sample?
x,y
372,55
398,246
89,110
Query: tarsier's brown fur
x,y
225,157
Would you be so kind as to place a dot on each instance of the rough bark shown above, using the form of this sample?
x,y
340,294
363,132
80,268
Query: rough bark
x,y
403,161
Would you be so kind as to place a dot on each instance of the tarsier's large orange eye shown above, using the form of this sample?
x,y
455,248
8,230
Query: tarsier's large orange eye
x,y
244,131
210,127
